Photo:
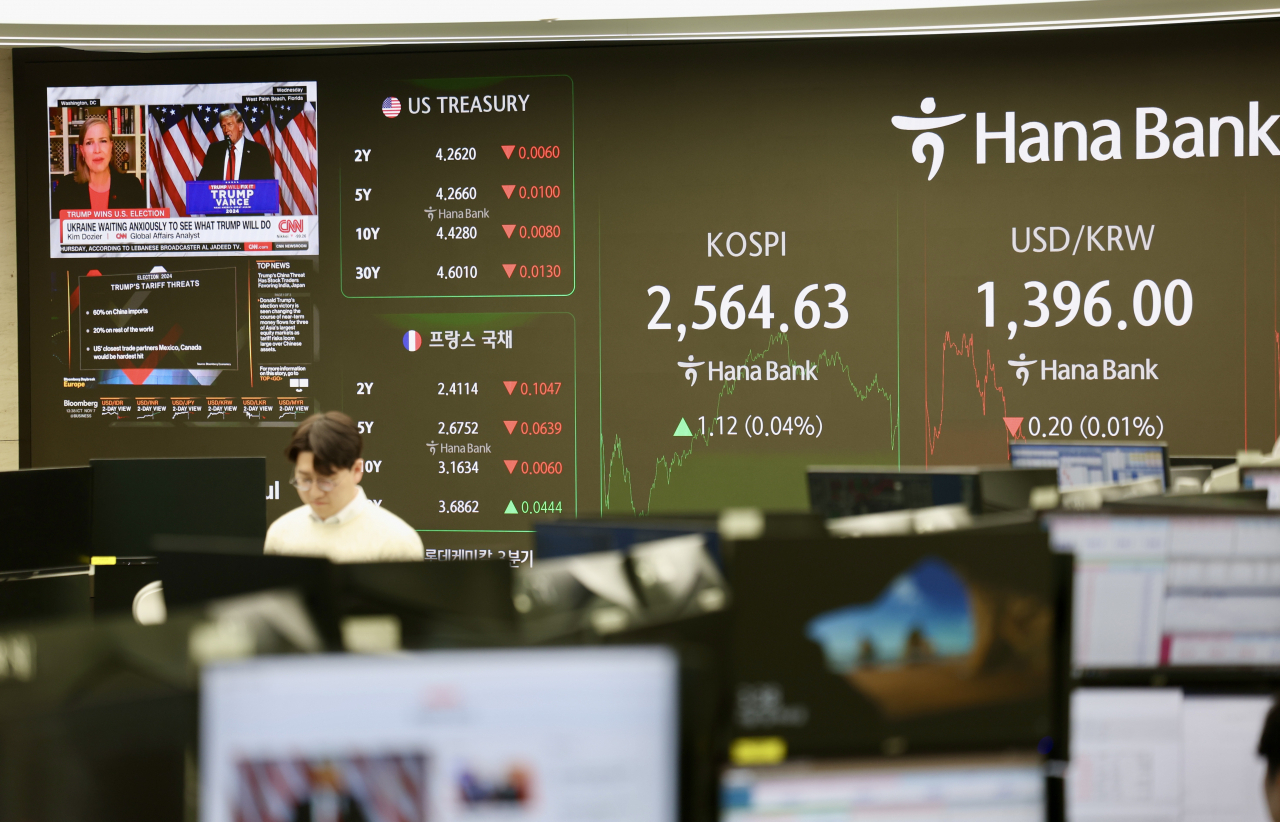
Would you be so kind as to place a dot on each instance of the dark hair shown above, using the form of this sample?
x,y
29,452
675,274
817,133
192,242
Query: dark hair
x,y
1269,743
331,438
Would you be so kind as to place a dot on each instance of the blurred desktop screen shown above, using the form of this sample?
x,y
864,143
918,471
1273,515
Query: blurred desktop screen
x,y
1007,789
555,734
1185,590
943,642
1160,755
1082,464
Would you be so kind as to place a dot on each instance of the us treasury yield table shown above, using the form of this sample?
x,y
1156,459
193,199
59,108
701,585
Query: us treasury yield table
x,y
460,188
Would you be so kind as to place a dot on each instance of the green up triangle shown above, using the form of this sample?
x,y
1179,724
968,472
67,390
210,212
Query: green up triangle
x,y
682,430
511,508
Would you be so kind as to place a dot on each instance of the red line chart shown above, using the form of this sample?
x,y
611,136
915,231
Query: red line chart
x,y
984,381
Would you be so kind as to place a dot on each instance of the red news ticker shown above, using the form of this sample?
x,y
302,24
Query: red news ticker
x,y
114,214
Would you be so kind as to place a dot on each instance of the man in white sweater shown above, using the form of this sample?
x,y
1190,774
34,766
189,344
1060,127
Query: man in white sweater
x,y
337,520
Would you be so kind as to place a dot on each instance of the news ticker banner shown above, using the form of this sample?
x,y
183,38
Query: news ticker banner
x,y
486,206
469,420
122,232
169,154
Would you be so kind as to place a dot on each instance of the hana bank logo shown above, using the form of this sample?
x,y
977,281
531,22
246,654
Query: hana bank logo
x,y
928,137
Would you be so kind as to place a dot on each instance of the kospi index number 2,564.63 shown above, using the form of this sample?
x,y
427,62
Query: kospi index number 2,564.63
x,y
466,191
732,313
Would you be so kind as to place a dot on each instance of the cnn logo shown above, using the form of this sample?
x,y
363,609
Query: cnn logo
x,y
287,226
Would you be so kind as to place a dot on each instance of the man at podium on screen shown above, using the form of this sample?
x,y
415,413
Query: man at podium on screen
x,y
236,158
337,521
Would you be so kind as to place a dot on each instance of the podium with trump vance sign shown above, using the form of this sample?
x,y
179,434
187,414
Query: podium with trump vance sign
x,y
217,198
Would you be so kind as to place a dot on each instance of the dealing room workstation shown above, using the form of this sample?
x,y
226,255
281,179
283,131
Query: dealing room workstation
x,y
749,420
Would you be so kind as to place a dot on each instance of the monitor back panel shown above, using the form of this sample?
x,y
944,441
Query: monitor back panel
x,y
135,500
46,517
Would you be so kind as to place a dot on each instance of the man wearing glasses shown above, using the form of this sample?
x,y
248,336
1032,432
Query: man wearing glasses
x,y
337,520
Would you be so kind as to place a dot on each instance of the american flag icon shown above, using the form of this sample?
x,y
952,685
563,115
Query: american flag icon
x,y
391,107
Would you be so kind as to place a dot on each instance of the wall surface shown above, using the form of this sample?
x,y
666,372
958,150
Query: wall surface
x,y
89,24
8,274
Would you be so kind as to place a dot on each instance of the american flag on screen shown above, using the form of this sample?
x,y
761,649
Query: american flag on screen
x,y
387,788
180,135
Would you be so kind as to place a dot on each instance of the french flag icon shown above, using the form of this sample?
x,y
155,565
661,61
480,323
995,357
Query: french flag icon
x,y
412,340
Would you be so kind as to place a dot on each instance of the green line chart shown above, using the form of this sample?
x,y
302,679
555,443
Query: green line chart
x,y
667,466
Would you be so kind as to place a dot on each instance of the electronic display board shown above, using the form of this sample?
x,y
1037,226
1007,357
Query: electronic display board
x,y
651,279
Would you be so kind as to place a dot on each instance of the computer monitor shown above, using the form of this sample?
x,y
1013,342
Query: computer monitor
x,y
1094,463
574,537
851,490
564,538
118,587
990,789
136,500
46,518
1211,460
55,593
583,733
940,642
1263,479
1160,753
435,603
1237,502
97,720
1010,488
607,592
193,579
1195,590
845,491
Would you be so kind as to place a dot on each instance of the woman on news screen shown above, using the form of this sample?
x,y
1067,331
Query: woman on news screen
x,y
97,184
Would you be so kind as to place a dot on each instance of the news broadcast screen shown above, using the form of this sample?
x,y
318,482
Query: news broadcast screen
x,y
208,169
